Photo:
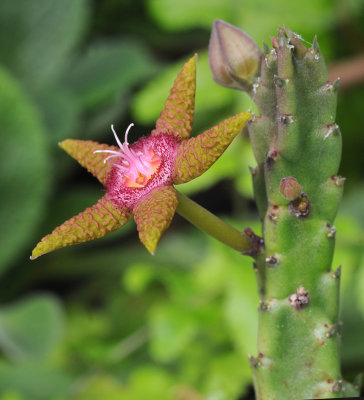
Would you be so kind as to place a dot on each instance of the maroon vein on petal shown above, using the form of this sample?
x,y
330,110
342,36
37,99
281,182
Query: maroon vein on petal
x,y
95,222
84,152
196,155
177,116
153,215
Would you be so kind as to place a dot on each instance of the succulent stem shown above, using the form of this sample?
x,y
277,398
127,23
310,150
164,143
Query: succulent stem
x,y
297,146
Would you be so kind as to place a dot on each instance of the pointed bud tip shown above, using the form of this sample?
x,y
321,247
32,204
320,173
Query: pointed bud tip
x,y
234,56
274,42
299,48
336,84
315,44
282,38
287,31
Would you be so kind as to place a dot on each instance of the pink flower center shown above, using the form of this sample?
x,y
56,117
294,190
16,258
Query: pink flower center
x,y
137,167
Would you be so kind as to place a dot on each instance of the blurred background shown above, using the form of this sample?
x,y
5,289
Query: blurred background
x,y
105,320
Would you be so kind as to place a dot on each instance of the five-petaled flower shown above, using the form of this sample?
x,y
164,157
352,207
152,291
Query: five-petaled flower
x,y
139,178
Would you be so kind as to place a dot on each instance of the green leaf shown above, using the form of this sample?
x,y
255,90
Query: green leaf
x,y
137,277
33,381
11,395
227,376
260,18
150,382
37,36
60,111
226,271
101,386
349,247
352,317
146,382
353,205
240,308
184,14
24,166
72,201
96,126
109,69
148,103
172,328
360,287
350,254
31,328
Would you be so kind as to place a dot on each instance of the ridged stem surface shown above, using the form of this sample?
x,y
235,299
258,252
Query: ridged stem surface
x,y
295,135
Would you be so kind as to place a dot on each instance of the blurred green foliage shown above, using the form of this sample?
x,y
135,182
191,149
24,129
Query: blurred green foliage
x,y
105,319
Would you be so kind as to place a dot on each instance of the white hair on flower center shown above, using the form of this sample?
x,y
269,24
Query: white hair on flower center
x,y
137,166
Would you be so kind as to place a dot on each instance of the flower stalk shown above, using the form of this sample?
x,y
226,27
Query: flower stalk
x,y
212,225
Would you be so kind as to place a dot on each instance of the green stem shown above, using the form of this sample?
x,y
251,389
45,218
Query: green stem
x,y
295,136
212,225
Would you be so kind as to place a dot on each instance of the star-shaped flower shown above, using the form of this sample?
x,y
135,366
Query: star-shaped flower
x,y
139,178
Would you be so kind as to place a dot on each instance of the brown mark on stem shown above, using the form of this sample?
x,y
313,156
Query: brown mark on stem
x,y
273,213
256,241
300,299
286,119
337,273
254,362
253,171
332,129
263,306
333,329
300,207
272,156
338,180
332,230
272,261
337,386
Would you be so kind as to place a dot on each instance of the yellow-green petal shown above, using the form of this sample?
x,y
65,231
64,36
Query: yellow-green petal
x,y
153,215
177,116
83,152
93,223
196,155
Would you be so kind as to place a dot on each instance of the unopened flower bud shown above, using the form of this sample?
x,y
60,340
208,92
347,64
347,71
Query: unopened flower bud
x,y
289,188
234,57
